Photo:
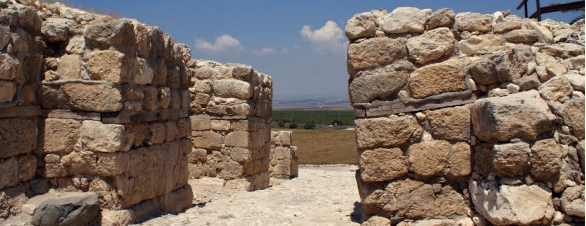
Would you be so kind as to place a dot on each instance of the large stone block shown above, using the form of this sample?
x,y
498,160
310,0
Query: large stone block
x,y
441,18
405,20
17,136
60,135
7,91
9,67
93,97
437,78
556,88
572,112
473,22
481,44
512,205
92,163
362,25
380,83
118,33
238,139
522,115
374,52
432,45
69,67
109,65
512,159
460,161
17,169
382,165
429,158
450,123
231,88
207,140
546,159
387,132
99,137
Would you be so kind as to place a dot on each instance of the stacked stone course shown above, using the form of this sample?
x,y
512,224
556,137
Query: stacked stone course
x,y
466,118
231,108
284,164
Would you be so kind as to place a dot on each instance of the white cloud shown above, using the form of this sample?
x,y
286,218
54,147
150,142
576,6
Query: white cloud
x,y
264,51
223,44
327,39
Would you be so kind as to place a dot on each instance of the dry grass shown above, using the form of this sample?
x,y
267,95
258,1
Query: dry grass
x,y
325,146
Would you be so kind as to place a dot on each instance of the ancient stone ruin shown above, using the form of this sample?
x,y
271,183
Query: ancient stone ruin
x,y
467,119
283,155
111,117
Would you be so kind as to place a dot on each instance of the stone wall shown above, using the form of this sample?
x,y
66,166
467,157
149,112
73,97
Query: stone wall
x,y
468,118
283,155
113,100
231,108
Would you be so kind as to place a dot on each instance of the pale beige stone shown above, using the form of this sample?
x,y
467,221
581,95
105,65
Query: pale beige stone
x,y
238,139
459,162
143,74
93,97
362,25
437,78
60,135
117,217
572,113
556,88
546,159
522,36
387,132
109,65
405,20
481,44
380,83
441,18
512,159
473,22
431,45
69,67
374,52
382,165
450,123
99,137
207,139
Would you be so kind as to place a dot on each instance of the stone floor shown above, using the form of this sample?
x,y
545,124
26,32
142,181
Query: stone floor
x,y
321,195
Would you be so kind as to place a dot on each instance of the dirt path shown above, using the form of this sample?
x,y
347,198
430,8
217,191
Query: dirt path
x,y
321,195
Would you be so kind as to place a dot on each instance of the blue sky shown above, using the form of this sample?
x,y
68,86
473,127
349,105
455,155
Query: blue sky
x,y
301,43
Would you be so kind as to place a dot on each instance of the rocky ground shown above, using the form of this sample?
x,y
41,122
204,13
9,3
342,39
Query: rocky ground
x,y
321,195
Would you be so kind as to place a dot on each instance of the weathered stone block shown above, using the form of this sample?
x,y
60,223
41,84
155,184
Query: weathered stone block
x,y
374,52
556,88
428,158
432,45
9,67
382,164
511,160
546,159
481,44
238,139
437,78
450,123
473,22
157,133
380,83
109,65
118,33
7,91
69,67
143,74
18,136
60,135
99,137
93,97
460,161
220,125
522,115
207,139
405,20
441,18
572,112
387,132
362,25
231,88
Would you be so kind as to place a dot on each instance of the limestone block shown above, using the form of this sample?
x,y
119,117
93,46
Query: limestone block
x,y
171,131
380,83
437,78
242,72
7,91
118,33
56,29
18,136
69,67
382,165
143,74
60,135
109,65
429,158
405,20
238,139
374,52
431,45
572,112
231,170
184,128
512,159
93,97
207,140
18,169
76,208
459,161
441,18
450,123
543,31
509,23
483,70
522,115
472,22
362,25
481,44
98,137
556,88
201,122
377,221
506,205
92,163
577,81
9,67
573,201
232,88
117,217
151,98
522,36
240,154
220,125
76,45
157,133
176,201
546,159
387,132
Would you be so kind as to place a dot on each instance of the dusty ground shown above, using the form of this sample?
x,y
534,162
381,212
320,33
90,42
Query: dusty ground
x,y
321,195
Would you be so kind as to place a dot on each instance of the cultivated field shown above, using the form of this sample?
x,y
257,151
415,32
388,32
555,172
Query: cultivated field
x,y
324,146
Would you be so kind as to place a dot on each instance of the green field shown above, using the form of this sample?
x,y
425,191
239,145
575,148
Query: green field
x,y
320,117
